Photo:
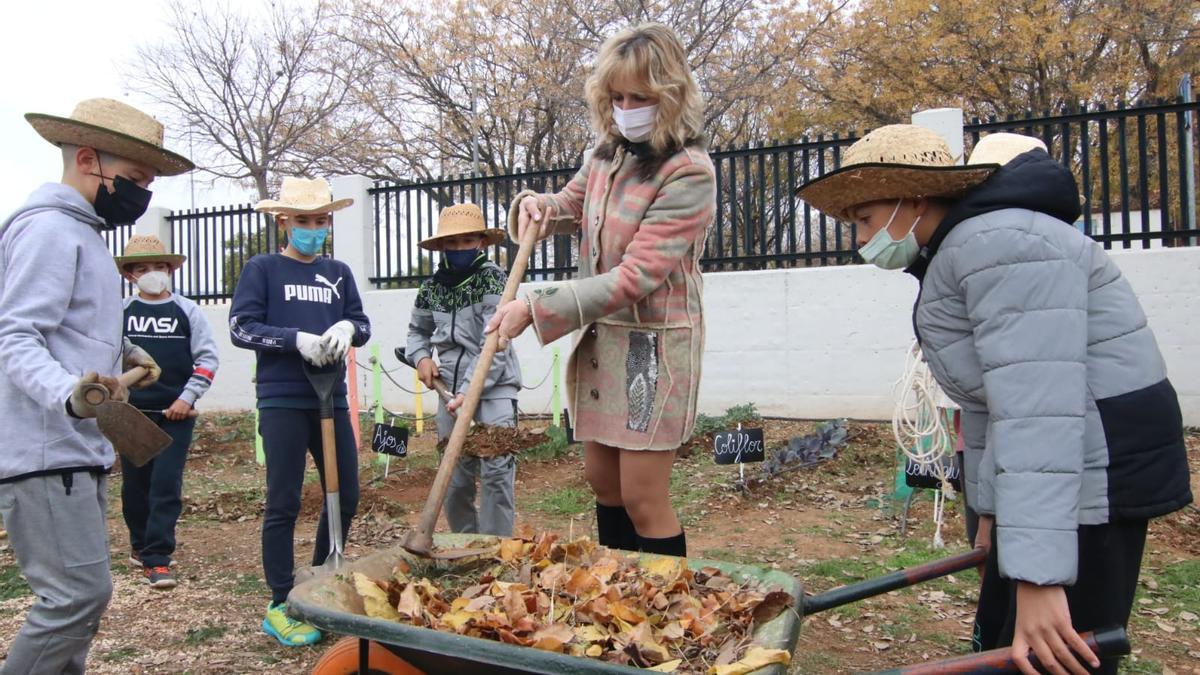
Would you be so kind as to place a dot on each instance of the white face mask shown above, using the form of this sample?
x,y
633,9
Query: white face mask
x,y
890,254
636,124
153,283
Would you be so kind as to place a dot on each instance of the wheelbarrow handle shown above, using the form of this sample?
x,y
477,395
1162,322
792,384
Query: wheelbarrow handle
x,y
1105,643
890,582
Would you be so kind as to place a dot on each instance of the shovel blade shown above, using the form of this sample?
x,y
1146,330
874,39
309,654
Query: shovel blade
x,y
132,434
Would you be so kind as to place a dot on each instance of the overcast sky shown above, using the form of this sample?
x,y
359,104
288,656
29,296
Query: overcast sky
x,y
58,52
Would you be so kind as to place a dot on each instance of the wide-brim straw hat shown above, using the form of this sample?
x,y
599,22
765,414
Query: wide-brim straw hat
x,y
898,161
147,248
113,127
462,219
1002,147
303,197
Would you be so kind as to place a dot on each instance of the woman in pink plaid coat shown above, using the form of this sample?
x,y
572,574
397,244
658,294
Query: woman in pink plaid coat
x,y
644,199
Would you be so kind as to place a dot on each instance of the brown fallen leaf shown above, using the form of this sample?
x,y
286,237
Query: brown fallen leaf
x,y
409,606
771,606
552,638
755,658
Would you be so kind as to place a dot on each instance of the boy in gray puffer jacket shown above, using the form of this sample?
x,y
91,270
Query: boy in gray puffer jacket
x,y
1073,433
451,312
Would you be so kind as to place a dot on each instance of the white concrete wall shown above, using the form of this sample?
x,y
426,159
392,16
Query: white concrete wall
x,y
812,343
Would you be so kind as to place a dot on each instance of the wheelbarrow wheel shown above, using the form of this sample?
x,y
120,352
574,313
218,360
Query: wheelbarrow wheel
x,y
342,659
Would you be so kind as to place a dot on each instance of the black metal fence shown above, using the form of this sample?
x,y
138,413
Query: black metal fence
x,y
1130,164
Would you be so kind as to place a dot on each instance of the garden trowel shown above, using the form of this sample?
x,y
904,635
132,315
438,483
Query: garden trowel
x,y
132,434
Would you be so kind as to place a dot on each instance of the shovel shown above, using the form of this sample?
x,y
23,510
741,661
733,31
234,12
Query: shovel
x,y
132,434
420,541
324,380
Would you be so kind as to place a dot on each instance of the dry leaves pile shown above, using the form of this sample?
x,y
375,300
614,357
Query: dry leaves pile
x,y
582,599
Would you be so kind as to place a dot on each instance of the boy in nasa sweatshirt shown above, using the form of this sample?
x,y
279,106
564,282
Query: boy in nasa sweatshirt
x,y
288,307
172,329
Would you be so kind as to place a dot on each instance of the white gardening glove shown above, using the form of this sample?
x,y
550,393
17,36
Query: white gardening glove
x,y
78,404
336,340
311,349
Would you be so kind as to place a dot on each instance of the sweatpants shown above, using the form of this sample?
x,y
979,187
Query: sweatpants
x,y
497,476
151,494
61,543
289,436
1110,557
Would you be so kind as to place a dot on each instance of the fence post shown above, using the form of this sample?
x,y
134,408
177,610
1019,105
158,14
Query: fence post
x,y
154,222
947,123
354,228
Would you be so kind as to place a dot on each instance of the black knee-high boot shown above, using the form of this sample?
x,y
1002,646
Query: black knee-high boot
x,y
676,545
614,527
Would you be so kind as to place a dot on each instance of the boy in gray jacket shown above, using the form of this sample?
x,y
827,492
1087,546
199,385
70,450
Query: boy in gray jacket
x,y
60,329
451,312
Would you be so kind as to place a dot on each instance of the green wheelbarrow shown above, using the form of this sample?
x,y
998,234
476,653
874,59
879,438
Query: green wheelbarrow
x,y
331,604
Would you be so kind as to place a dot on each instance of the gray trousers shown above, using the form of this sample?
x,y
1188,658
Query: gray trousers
x,y
497,476
61,543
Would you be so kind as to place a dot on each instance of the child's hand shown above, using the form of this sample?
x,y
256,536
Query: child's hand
x,y
511,319
454,404
1044,626
426,371
983,538
529,211
179,410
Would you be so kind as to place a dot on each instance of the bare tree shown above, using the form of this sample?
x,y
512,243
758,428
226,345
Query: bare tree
x,y
261,93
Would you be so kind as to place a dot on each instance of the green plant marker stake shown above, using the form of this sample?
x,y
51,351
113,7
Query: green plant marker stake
x,y
377,394
259,455
555,393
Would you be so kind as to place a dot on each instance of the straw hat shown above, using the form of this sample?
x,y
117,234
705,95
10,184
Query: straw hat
x,y
898,161
1001,147
462,219
146,248
301,197
113,127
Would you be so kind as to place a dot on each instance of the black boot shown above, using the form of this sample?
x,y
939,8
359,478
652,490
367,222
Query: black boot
x,y
676,545
614,527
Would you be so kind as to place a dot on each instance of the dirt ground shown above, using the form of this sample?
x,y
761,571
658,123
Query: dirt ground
x,y
832,524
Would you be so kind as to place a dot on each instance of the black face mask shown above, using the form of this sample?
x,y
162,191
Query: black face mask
x,y
124,205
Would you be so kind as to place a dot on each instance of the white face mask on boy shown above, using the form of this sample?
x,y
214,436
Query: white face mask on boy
x,y
635,124
153,283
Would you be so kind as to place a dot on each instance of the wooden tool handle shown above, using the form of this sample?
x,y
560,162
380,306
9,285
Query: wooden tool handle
x,y
420,540
132,376
96,394
329,454
440,387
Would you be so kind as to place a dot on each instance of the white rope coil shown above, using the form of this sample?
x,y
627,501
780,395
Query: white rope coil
x,y
919,427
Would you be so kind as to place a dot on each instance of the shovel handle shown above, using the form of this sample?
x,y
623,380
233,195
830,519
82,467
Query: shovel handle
x,y
98,393
1105,643
420,540
329,455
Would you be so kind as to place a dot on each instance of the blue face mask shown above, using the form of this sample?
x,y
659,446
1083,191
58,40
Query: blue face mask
x,y
306,241
461,259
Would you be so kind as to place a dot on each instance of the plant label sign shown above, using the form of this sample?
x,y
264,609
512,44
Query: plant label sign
x,y
925,475
738,447
390,440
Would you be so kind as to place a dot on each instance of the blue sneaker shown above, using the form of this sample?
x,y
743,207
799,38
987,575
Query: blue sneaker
x,y
289,632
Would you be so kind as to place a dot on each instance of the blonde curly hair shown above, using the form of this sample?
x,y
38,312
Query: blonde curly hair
x,y
652,55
